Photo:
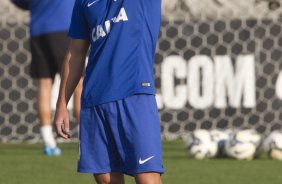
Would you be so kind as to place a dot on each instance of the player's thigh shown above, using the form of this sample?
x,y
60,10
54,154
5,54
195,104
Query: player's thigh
x,y
140,134
148,178
109,178
98,153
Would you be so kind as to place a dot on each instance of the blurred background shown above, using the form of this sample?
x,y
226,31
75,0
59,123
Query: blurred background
x,y
218,66
245,92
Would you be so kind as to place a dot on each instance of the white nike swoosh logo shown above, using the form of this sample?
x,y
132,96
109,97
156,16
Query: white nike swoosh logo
x,y
146,160
90,4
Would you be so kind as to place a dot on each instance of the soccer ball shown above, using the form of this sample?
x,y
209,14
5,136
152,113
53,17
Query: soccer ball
x,y
273,145
243,144
219,137
200,145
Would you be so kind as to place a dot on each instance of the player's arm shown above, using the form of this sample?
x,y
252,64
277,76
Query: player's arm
x,y
23,4
71,74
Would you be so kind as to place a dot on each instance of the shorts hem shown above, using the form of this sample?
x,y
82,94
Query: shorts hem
x,y
42,77
93,171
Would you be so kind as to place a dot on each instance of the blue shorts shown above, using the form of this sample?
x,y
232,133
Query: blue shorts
x,y
121,136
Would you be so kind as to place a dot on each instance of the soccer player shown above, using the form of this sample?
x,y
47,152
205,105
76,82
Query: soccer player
x,y
50,20
119,124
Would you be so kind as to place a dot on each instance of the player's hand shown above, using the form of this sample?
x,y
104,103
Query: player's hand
x,y
62,122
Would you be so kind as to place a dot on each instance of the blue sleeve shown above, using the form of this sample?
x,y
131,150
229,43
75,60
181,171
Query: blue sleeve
x,y
23,4
79,28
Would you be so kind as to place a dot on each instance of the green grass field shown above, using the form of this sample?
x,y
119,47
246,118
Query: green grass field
x,y
24,164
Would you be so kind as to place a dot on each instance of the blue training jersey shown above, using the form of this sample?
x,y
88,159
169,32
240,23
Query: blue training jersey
x,y
123,36
47,16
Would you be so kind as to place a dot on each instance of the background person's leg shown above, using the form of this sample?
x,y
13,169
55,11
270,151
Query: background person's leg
x,y
45,116
48,51
44,101
148,178
109,178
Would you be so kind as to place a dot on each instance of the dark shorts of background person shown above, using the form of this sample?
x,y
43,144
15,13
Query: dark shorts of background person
x,y
48,52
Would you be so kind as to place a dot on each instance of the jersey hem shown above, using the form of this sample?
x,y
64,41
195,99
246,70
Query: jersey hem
x,y
90,103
